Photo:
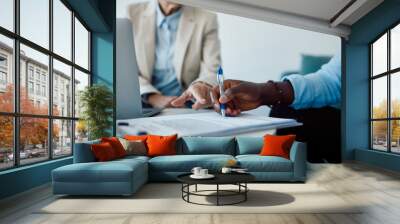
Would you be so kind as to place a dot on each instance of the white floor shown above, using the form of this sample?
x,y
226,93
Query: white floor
x,y
376,189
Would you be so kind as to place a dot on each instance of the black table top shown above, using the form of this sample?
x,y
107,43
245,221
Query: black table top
x,y
220,178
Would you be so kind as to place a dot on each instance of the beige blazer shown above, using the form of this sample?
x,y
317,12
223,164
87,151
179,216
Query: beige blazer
x,y
197,48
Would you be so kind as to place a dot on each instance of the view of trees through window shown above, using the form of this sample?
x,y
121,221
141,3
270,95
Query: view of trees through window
x,y
385,91
40,83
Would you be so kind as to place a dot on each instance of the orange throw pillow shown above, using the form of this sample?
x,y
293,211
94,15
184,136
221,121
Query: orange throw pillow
x,y
277,145
103,152
161,145
116,145
136,137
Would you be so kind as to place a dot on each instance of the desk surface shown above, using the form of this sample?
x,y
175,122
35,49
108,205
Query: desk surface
x,y
263,111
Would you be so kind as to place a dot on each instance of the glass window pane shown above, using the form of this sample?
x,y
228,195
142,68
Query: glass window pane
x,y
62,89
6,74
81,81
34,74
395,95
395,135
395,47
379,97
379,135
7,14
81,45
35,21
62,138
379,55
33,140
81,131
62,29
6,142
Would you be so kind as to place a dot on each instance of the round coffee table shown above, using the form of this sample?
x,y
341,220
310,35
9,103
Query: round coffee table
x,y
238,179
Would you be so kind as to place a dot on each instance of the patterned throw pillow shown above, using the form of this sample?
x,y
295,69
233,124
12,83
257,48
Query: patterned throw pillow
x,y
134,147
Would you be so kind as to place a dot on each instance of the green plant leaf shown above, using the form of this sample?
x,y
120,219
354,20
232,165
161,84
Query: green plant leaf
x,y
96,102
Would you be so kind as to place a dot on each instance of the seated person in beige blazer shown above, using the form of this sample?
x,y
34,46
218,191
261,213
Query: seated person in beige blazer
x,y
178,53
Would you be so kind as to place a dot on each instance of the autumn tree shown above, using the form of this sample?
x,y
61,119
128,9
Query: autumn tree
x,y
81,130
395,123
380,127
6,122
6,133
33,131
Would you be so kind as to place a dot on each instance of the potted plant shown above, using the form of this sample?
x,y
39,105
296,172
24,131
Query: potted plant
x,y
96,102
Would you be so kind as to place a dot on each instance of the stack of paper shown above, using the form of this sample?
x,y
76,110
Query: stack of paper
x,y
203,124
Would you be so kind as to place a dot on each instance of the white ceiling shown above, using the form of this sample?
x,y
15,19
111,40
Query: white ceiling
x,y
333,17
321,9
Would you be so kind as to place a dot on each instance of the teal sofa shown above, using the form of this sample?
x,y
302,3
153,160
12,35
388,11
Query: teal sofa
x,y
125,176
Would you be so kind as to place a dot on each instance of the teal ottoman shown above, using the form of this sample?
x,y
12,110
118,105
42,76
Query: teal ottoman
x,y
118,177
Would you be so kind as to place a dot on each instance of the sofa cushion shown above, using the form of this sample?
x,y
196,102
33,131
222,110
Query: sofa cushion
x,y
257,163
312,63
206,145
112,171
133,158
249,145
185,163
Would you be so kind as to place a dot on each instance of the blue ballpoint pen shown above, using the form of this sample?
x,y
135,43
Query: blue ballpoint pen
x,y
220,78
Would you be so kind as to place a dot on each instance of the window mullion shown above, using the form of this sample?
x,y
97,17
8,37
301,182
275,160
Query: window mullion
x,y
73,82
389,104
89,54
50,81
16,70
371,89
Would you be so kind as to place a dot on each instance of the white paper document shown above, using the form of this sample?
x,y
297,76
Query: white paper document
x,y
202,124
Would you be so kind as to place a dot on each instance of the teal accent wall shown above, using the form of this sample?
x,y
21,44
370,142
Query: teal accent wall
x,y
90,12
24,178
99,16
356,85
376,158
102,63
357,99
103,57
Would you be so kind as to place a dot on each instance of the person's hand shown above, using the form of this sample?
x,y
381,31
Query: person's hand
x,y
198,91
160,101
239,96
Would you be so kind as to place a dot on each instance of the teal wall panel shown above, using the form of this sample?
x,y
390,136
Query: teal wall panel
x,y
356,99
102,58
24,178
376,158
91,14
102,63
102,54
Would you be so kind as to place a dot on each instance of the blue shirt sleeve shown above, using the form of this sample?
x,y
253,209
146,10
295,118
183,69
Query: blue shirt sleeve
x,y
318,89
